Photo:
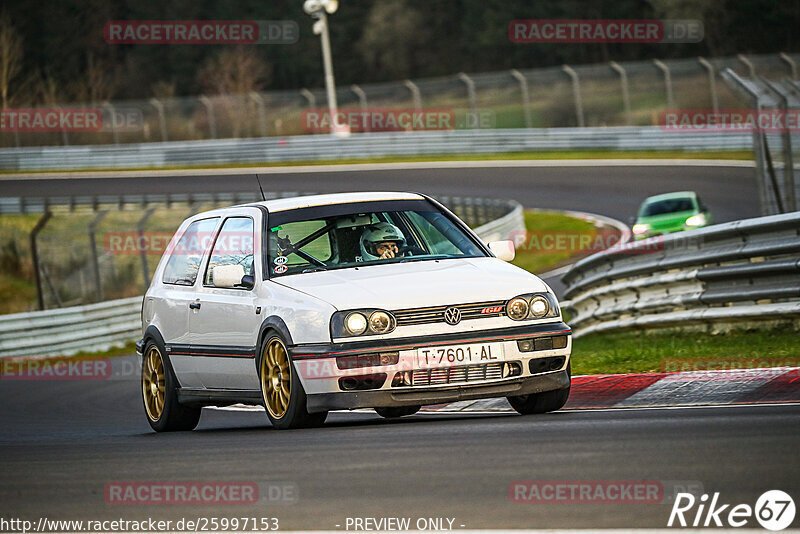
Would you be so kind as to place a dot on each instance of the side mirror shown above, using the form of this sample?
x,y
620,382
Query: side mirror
x,y
227,275
631,221
504,250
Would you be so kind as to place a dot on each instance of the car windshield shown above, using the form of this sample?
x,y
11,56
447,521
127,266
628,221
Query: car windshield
x,y
672,205
335,237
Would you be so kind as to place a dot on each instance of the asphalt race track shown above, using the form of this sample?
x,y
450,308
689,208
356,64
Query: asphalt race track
x,y
614,191
63,442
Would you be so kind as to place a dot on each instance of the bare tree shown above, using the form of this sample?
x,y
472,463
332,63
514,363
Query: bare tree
x,y
234,74
10,56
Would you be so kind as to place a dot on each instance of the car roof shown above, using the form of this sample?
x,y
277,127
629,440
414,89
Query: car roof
x,y
669,196
290,203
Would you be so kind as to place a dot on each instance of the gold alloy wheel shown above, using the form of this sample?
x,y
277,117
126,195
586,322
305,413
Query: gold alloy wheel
x,y
276,378
153,383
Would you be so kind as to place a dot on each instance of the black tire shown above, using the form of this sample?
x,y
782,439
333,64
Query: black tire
x,y
295,413
172,416
397,411
548,401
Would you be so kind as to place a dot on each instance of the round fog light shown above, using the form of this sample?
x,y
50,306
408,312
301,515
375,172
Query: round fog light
x,y
539,307
517,309
355,323
380,322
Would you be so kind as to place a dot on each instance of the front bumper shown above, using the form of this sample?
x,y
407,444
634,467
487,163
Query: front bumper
x,y
322,379
349,400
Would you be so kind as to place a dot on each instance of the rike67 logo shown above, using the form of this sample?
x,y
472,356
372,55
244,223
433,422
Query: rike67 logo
x,y
774,510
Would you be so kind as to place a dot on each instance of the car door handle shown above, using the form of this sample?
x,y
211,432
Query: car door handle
x,y
194,305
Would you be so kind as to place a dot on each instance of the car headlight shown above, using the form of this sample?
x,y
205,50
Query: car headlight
x,y
355,324
539,307
381,322
364,322
517,308
533,306
641,229
696,220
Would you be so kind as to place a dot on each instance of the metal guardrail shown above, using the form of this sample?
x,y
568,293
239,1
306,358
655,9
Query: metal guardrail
x,y
329,147
715,277
96,327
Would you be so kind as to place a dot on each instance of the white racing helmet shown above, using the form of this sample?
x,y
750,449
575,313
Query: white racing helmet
x,y
379,233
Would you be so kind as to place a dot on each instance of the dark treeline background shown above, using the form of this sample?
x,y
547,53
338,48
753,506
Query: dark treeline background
x,y
64,57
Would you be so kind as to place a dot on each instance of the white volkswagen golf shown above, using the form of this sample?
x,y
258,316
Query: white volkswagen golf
x,y
343,301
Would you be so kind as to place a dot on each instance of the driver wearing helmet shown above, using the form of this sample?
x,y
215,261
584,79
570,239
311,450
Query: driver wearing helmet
x,y
381,241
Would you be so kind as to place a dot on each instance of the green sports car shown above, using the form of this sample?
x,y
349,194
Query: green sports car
x,y
670,212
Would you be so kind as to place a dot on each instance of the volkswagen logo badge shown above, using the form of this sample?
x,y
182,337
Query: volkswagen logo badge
x,y
452,315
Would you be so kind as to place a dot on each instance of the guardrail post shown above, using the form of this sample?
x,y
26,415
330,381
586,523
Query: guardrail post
x,y
362,103
98,283
712,82
262,112
626,97
212,123
162,119
40,224
789,201
142,252
526,103
749,64
660,65
309,96
576,92
792,65
112,114
415,94
473,100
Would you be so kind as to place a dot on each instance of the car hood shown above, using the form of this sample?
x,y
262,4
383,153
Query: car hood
x,y
416,284
667,220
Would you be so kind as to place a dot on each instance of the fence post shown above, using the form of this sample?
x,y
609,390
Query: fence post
x,y
749,64
415,94
262,112
35,256
98,283
64,134
526,104
626,97
789,201
162,119
473,100
143,253
362,103
741,87
712,82
212,123
576,91
660,65
309,96
113,121
792,65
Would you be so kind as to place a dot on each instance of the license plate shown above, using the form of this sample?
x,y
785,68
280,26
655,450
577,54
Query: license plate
x,y
452,355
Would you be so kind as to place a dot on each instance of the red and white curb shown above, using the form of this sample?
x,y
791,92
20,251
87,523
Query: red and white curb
x,y
643,390
650,390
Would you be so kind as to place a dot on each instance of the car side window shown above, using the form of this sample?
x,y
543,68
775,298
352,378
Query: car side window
x,y
185,255
234,246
